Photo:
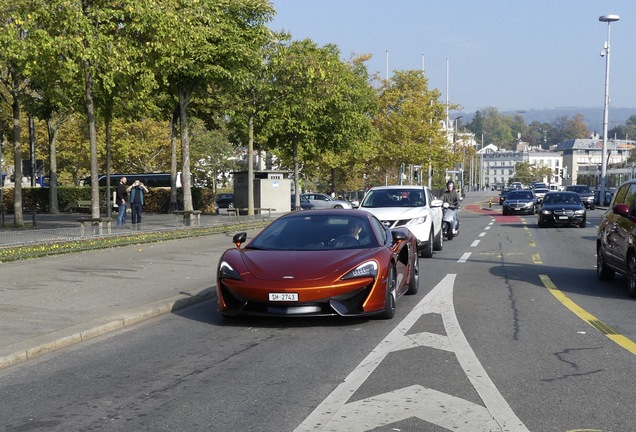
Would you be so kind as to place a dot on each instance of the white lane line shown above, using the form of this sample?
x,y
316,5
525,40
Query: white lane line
x,y
464,257
443,410
482,234
475,243
488,227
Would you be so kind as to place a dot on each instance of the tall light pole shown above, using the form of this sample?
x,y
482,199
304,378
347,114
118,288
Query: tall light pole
x,y
609,19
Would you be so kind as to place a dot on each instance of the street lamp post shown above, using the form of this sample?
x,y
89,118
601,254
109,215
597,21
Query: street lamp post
x,y
605,53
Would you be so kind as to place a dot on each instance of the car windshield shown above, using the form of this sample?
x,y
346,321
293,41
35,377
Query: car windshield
x,y
562,198
394,198
316,232
579,189
520,195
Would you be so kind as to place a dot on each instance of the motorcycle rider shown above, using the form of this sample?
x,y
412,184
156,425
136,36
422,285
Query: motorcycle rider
x,y
451,197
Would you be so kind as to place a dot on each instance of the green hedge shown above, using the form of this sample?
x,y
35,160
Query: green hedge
x,y
156,201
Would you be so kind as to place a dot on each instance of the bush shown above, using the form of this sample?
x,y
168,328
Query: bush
x,y
156,201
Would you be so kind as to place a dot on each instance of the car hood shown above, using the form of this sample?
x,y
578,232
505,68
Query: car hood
x,y
397,213
302,265
562,206
518,201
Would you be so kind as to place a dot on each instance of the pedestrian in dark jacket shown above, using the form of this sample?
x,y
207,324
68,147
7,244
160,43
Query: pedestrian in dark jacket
x,y
137,191
122,201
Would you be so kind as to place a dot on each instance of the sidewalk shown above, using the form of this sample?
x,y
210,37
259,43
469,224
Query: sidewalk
x,y
55,302
45,227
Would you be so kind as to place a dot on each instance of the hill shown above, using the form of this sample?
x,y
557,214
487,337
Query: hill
x,y
593,116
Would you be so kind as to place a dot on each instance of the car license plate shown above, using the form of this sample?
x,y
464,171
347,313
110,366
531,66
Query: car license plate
x,y
291,297
563,217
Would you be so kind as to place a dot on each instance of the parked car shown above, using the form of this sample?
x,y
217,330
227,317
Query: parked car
x,y
317,263
502,196
609,194
304,203
562,208
616,238
410,206
320,200
519,202
586,195
224,201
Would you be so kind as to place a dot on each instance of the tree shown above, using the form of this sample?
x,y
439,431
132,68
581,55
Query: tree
x,y
408,124
16,48
196,45
319,104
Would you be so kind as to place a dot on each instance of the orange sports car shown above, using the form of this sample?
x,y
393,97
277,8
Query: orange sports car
x,y
318,263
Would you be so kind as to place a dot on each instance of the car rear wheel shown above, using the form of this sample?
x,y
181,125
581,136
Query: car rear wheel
x,y
603,272
414,282
427,250
631,275
389,299
337,206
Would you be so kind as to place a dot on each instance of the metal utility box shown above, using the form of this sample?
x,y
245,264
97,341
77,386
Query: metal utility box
x,y
272,190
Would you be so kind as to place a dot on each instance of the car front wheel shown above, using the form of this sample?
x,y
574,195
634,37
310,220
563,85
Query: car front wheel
x,y
389,299
414,282
427,250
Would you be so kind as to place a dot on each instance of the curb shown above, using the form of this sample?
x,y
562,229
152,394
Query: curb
x,y
45,344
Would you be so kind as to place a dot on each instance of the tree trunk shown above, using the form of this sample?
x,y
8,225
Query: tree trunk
x,y
92,136
296,174
185,152
107,127
53,128
18,219
173,159
250,165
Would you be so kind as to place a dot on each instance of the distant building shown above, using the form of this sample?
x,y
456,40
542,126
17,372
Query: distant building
x,y
498,167
582,158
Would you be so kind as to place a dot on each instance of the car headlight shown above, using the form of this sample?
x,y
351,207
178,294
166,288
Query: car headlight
x,y
579,212
546,212
417,221
226,271
366,269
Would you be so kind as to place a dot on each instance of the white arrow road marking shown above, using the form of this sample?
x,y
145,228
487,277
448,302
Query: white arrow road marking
x,y
449,412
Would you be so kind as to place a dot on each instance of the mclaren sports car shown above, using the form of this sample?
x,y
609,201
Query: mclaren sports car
x,y
319,263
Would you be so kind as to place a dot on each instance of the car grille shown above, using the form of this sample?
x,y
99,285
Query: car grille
x,y
564,212
395,223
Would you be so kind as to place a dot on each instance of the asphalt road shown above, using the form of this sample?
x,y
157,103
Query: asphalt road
x,y
491,342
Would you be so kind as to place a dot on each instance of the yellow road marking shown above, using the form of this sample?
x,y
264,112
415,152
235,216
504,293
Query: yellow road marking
x,y
608,331
536,258
532,244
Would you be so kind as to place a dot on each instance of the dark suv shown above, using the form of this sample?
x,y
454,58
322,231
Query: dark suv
x,y
616,238
586,195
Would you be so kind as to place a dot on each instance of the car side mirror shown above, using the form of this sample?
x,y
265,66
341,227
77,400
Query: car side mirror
x,y
398,235
239,239
621,210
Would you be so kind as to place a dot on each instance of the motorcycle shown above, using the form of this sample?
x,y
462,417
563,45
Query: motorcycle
x,y
448,219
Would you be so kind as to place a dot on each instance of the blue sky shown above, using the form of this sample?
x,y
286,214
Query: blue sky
x,y
507,54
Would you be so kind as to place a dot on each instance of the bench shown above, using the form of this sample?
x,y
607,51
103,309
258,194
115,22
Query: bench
x,y
94,223
83,204
187,215
242,211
